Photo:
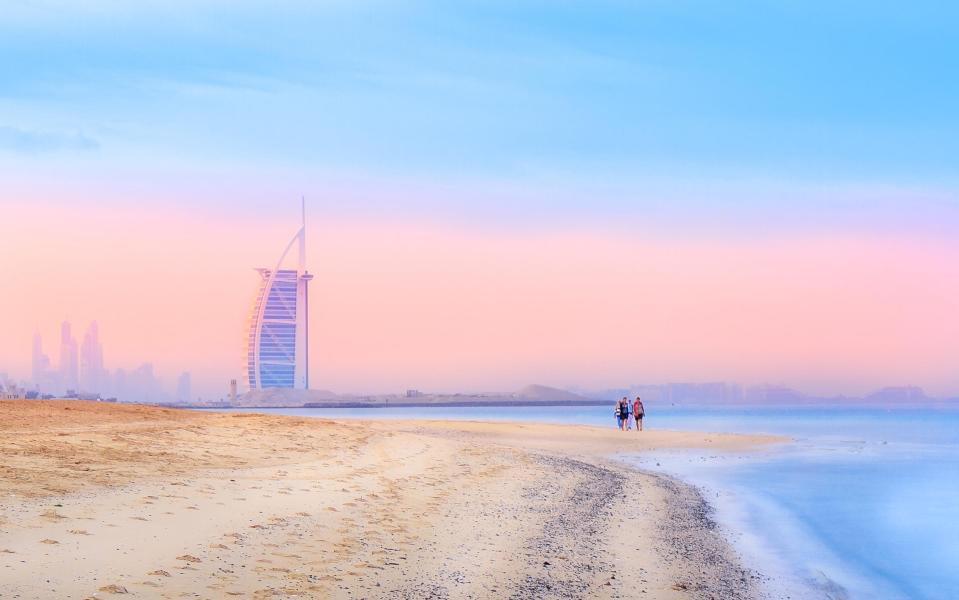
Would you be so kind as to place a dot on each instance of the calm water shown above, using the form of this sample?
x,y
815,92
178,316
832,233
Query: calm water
x,y
865,503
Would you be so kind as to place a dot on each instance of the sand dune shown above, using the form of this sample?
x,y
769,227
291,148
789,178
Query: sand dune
x,y
128,501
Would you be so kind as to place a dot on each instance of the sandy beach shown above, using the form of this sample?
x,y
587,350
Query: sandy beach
x,y
104,500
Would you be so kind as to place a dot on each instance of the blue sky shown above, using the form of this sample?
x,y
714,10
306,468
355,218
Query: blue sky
x,y
818,109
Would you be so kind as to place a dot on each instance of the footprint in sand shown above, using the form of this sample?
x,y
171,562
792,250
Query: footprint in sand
x,y
79,532
114,589
159,573
49,541
189,558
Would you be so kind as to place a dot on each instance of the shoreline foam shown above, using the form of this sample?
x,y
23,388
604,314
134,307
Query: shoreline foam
x,y
769,535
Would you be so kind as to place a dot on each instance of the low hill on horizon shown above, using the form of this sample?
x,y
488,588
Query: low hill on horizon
x,y
548,394
278,397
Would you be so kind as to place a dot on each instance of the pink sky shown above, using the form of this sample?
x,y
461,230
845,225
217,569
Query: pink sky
x,y
437,306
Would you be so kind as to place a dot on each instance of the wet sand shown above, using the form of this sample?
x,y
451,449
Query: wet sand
x,y
100,500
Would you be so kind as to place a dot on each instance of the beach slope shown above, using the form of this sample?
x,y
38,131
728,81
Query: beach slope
x,y
102,500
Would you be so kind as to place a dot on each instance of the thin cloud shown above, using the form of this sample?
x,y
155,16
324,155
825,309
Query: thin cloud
x,y
36,142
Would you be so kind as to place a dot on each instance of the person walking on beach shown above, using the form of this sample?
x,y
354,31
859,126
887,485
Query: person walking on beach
x,y
624,413
638,413
618,410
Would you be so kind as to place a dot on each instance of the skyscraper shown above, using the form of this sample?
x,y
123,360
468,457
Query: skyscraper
x,y
91,361
139,385
183,390
69,372
40,363
277,354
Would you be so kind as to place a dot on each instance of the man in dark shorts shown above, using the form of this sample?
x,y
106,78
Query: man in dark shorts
x,y
639,412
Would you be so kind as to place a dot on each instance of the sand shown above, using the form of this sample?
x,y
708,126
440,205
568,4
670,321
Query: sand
x,y
103,501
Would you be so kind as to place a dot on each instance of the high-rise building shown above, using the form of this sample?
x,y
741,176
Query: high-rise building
x,y
142,385
69,371
40,363
121,387
277,354
92,376
183,388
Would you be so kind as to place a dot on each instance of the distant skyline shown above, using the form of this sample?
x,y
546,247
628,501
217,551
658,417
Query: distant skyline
x,y
586,195
80,371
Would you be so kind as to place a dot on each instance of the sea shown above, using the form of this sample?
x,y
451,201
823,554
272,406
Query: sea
x,y
863,504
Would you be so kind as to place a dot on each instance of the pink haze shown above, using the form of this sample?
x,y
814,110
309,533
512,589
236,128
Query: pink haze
x,y
398,304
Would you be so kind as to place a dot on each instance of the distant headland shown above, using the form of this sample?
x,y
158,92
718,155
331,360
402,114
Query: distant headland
x,y
530,395
686,395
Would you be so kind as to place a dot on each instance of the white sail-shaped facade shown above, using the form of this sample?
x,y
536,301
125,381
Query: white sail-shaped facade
x,y
277,348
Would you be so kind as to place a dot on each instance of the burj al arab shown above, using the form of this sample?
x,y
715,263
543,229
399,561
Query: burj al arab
x,y
277,348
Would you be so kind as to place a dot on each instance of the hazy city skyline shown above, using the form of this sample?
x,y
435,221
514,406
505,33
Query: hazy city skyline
x,y
80,371
141,385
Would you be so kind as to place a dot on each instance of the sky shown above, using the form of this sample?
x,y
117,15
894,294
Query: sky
x,y
578,194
